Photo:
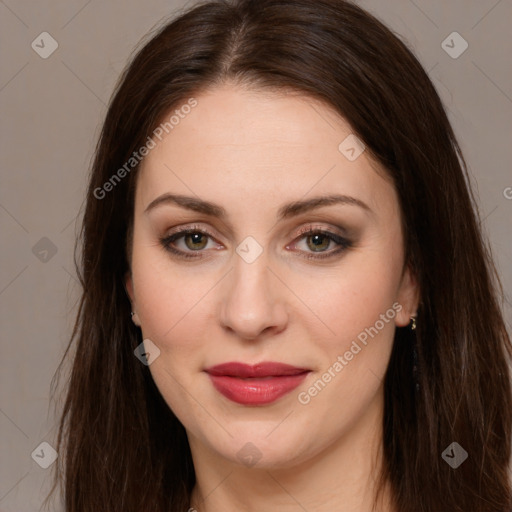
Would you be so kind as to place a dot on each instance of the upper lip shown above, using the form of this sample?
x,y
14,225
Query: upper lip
x,y
264,369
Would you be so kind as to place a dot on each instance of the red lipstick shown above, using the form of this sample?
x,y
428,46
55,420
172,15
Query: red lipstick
x,y
260,384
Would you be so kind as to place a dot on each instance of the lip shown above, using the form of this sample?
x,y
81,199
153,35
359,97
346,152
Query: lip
x,y
258,384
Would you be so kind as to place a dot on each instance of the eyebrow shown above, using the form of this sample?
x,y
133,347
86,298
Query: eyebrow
x,y
286,211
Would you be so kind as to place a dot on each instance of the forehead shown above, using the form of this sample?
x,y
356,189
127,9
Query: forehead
x,y
250,146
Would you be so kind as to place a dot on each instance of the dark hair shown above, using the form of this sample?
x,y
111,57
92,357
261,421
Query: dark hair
x,y
123,447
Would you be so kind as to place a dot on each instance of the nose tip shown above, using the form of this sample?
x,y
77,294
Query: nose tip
x,y
253,301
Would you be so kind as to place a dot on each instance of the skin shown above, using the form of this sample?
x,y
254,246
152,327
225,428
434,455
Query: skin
x,y
250,152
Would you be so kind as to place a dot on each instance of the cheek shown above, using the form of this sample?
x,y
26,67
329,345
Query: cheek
x,y
169,304
356,309
354,297
357,312
168,297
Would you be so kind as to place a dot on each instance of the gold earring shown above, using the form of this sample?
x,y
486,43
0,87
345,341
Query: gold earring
x,y
413,326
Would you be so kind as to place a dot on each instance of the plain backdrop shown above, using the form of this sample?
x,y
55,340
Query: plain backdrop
x,y
51,112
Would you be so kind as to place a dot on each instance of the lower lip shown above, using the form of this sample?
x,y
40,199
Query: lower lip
x,y
257,391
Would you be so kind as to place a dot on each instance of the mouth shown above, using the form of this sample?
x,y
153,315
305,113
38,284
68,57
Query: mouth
x,y
259,384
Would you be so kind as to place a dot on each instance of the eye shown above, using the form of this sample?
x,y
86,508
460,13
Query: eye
x,y
193,239
317,241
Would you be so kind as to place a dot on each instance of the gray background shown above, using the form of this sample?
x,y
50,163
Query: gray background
x,y
52,110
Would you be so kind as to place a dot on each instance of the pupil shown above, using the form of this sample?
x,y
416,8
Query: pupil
x,y
195,240
316,238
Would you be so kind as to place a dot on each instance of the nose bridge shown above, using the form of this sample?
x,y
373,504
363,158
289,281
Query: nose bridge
x,y
253,301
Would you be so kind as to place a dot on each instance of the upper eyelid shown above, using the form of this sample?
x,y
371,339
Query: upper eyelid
x,y
302,231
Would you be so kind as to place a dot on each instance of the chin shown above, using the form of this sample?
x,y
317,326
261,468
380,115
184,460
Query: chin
x,y
257,449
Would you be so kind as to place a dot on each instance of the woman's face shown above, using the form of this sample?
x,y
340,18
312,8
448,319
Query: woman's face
x,y
249,286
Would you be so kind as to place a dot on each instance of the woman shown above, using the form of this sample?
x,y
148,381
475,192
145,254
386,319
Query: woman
x,y
287,300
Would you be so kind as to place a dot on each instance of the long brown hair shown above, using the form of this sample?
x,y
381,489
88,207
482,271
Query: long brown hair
x,y
121,446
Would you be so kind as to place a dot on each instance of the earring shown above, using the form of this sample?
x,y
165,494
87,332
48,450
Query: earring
x,y
413,325
135,318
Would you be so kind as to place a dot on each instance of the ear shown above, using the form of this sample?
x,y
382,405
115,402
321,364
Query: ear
x,y
128,285
408,297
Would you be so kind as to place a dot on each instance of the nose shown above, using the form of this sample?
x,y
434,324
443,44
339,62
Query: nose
x,y
253,300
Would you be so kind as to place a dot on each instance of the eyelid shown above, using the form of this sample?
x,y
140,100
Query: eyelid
x,y
328,230
181,232
342,241
190,227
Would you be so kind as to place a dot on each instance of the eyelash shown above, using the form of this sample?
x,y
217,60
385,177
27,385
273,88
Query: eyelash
x,y
307,231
